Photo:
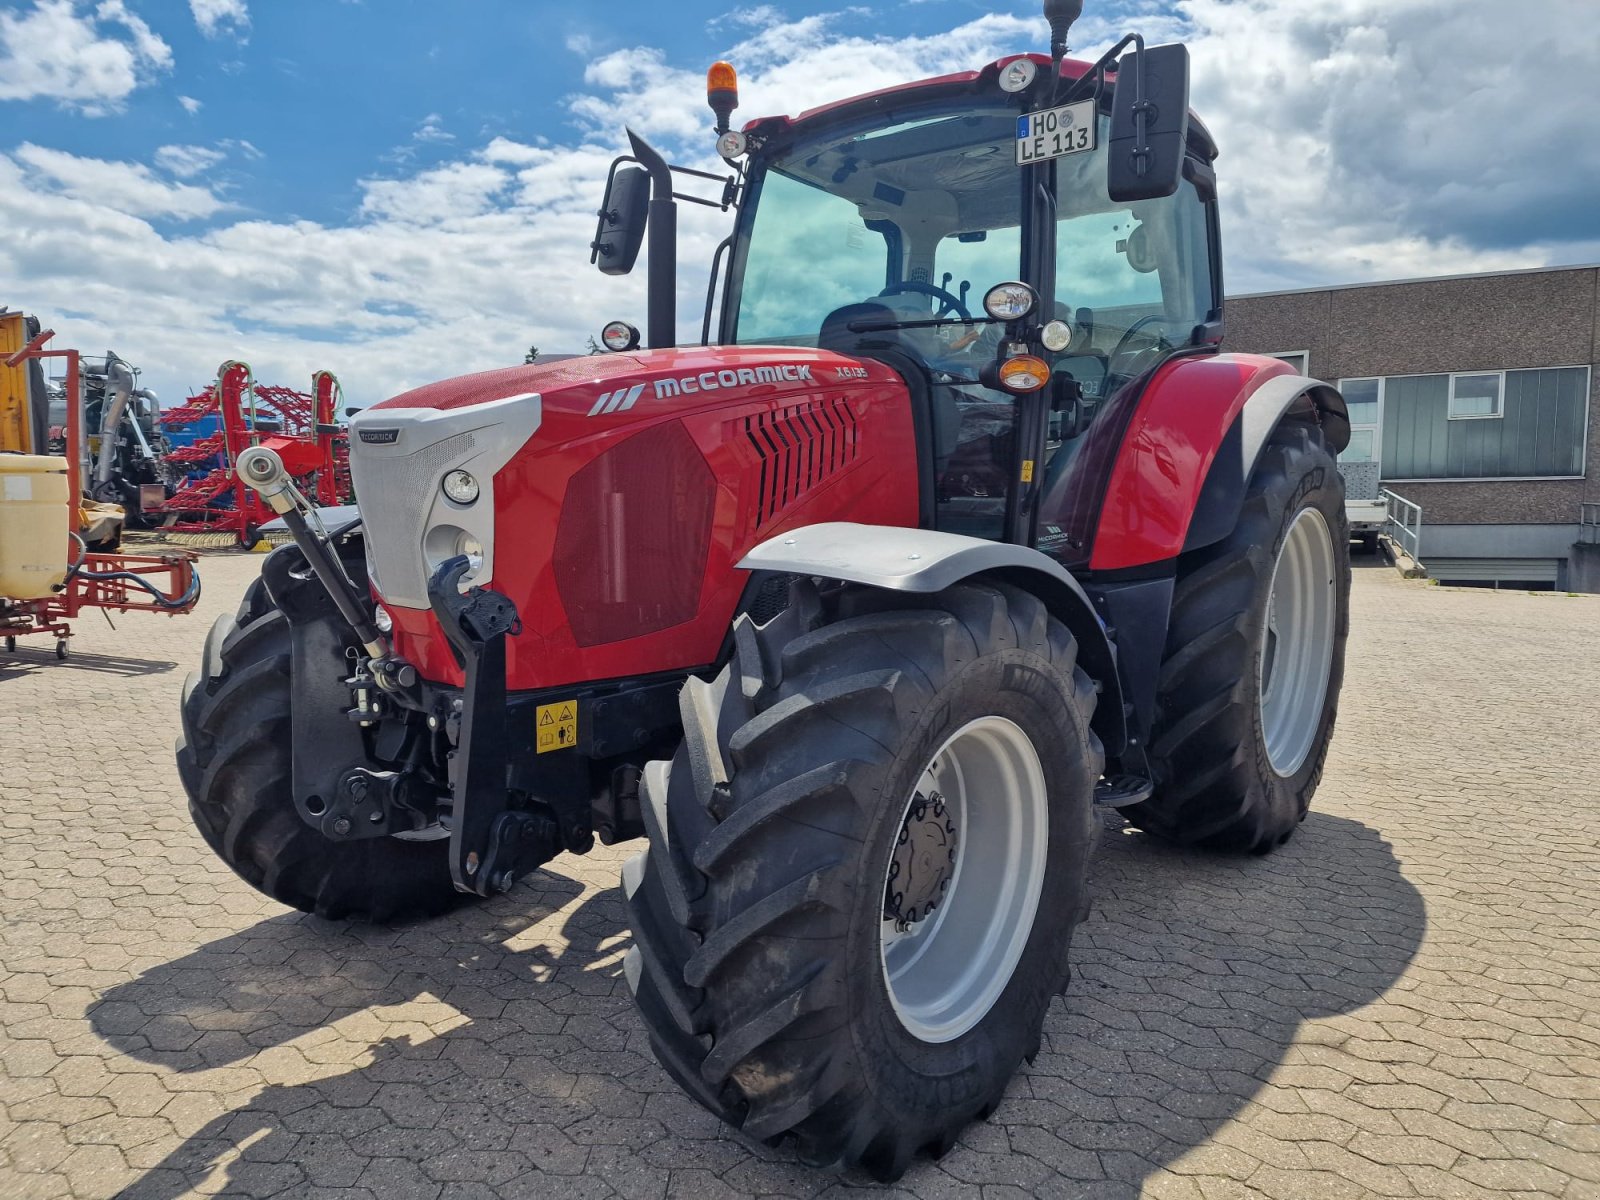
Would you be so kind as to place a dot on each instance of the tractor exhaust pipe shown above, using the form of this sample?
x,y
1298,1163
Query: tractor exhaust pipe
x,y
261,468
661,327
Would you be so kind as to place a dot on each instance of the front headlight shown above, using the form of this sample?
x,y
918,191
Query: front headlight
x,y
461,487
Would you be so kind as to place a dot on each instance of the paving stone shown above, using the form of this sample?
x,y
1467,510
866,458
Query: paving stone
x,y
1404,1000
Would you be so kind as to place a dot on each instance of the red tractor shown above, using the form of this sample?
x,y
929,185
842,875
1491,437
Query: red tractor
x,y
956,530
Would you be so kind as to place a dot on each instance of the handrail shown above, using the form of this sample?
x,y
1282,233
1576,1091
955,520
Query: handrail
x,y
1403,523
1589,524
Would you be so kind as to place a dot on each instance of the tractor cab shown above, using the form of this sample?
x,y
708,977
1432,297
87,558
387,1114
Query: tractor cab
x,y
987,236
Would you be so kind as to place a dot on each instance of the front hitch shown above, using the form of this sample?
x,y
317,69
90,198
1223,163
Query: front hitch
x,y
490,843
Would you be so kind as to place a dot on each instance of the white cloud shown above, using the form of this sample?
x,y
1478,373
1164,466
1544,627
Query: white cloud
x,y
215,17
447,196
90,60
1367,139
187,161
122,189
432,130
190,104
1361,139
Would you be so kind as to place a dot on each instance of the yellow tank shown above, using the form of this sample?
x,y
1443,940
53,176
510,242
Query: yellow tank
x,y
33,525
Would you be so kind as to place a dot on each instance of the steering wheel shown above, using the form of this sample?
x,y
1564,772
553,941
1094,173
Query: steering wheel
x,y
1122,342
948,301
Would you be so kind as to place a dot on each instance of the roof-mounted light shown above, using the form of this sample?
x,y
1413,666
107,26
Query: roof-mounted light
x,y
1018,75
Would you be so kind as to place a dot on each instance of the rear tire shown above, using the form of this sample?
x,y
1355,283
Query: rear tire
x,y
1214,744
761,960
234,758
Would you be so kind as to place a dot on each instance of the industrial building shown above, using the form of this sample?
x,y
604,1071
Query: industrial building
x,y
1475,395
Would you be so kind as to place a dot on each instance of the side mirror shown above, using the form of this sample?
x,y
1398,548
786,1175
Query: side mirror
x,y
624,213
1151,167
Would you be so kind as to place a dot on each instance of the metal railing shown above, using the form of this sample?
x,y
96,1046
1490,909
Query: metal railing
x,y
1589,525
1403,523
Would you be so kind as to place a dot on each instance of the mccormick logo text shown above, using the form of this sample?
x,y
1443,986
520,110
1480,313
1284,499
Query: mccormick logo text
x,y
623,399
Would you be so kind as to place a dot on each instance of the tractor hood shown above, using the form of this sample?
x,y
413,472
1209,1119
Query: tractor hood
x,y
610,387
581,459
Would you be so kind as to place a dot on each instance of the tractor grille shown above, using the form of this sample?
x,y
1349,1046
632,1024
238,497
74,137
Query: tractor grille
x,y
800,448
393,494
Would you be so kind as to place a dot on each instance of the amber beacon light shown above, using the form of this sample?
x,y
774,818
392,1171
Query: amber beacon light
x,y
722,92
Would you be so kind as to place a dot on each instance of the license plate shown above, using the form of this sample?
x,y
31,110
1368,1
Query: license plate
x,y
1054,132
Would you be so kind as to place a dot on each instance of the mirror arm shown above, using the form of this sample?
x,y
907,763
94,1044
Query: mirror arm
x,y
698,200
1142,112
1096,72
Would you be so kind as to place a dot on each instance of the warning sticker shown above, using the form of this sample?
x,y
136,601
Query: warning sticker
x,y
557,726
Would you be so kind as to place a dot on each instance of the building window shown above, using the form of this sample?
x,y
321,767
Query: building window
x,y
1361,447
1364,399
1473,397
1300,360
1433,426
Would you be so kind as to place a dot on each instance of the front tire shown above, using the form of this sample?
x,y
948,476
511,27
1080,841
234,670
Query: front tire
x,y
235,760
769,958
1249,684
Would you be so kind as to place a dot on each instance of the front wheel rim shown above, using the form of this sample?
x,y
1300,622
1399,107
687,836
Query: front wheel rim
x,y
946,970
1297,642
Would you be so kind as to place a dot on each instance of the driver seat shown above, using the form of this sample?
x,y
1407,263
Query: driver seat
x,y
894,347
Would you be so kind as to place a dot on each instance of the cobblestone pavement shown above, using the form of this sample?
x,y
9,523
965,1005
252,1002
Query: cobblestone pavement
x,y
1404,1001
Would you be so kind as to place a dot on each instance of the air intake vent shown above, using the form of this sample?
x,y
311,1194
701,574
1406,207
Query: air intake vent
x,y
800,448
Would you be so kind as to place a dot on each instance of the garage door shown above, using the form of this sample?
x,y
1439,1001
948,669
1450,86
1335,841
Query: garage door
x,y
1494,570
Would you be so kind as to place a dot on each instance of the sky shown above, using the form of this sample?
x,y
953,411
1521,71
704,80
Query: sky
x,y
401,191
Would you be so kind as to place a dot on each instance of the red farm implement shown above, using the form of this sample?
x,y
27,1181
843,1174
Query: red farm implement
x,y
300,427
162,583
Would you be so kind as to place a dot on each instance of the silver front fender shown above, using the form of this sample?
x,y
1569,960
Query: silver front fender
x,y
927,560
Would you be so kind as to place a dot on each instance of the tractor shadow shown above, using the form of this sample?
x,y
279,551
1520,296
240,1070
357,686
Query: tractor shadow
x,y
499,1045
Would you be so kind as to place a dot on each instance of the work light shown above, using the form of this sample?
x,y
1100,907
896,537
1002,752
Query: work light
x,y
1018,75
618,336
1009,301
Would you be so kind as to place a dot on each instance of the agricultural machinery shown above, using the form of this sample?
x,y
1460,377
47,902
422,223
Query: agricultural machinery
x,y
956,532
302,428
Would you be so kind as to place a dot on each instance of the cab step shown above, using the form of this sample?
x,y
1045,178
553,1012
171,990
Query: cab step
x,y
1119,791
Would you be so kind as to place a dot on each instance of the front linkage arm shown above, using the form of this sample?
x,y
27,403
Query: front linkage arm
x,y
490,843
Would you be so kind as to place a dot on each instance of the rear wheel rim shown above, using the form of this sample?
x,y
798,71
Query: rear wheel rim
x,y
945,972
1297,643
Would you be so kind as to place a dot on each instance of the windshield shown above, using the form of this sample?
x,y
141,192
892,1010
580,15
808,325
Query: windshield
x,y
926,214
841,218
